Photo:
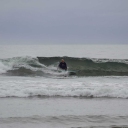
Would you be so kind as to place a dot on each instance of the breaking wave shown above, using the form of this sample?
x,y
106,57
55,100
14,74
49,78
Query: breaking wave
x,y
47,66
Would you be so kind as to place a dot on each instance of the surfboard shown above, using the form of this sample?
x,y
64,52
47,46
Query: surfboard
x,y
69,72
72,72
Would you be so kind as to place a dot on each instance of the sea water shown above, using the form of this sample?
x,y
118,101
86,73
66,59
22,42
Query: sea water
x,y
34,94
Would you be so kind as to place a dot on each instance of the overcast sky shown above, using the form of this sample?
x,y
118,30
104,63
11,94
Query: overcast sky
x,y
63,21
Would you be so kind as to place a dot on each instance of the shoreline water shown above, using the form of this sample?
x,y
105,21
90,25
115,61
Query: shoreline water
x,y
63,112
61,106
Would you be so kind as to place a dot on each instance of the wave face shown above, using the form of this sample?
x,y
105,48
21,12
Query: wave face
x,y
90,67
47,66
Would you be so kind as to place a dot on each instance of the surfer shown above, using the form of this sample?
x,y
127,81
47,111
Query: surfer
x,y
62,65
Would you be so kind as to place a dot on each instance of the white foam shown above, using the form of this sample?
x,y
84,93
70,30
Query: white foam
x,y
17,62
4,68
115,87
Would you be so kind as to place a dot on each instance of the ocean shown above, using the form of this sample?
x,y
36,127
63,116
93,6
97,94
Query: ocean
x,y
92,93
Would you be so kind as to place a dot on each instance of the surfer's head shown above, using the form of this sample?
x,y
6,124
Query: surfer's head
x,y
62,60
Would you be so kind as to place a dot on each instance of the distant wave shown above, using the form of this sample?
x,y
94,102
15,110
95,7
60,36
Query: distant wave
x,y
47,66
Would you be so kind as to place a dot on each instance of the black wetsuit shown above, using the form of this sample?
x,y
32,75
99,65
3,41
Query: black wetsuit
x,y
63,65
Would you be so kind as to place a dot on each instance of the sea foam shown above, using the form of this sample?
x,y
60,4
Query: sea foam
x,y
86,87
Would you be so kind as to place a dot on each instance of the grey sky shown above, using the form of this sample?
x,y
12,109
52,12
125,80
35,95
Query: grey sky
x,y
63,21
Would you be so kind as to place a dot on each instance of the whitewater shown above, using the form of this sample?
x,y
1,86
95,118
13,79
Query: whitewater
x,y
33,93
88,87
